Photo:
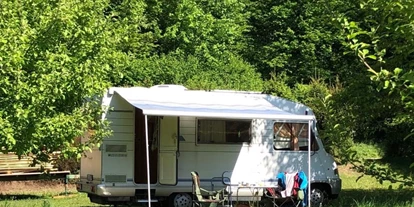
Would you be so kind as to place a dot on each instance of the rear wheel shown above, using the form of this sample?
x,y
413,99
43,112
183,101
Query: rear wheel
x,y
180,200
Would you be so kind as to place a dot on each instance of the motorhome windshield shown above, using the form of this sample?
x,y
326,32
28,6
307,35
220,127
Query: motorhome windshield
x,y
292,136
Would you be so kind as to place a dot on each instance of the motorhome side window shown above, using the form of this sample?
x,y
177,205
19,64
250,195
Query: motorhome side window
x,y
292,136
210,131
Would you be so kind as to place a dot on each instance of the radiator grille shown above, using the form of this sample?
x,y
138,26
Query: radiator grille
x,y
116,148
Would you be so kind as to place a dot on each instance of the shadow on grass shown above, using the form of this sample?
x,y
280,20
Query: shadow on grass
x,y
399,164
13,197
375,198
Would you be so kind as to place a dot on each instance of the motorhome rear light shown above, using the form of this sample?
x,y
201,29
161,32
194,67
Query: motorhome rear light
x,y
93,189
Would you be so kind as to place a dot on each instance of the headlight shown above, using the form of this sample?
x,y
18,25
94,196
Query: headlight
x,y
335,168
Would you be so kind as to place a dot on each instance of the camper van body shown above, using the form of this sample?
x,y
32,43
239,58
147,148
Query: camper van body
x,y
116,171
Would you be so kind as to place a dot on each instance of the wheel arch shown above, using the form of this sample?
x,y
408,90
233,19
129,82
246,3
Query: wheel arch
x,y
323,186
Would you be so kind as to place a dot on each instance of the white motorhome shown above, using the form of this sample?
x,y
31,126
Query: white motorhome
x,y
228,137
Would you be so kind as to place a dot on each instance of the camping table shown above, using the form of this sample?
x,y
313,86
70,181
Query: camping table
x,y
250,193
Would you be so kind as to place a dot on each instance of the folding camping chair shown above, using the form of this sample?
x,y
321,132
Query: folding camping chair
x,y
291,189
203,197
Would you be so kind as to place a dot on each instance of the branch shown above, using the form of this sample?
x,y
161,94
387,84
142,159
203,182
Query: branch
x,y
366,64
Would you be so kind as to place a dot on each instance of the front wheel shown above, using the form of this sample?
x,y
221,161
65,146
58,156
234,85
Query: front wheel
x,y
180,200
318,197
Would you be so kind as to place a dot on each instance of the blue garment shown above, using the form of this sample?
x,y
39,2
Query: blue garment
x,y
282,177
303,184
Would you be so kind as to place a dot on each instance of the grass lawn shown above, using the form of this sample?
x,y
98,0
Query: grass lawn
x,y
367,192
45,201
41,194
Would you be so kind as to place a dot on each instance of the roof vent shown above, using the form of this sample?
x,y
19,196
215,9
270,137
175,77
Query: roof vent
x,y
169,86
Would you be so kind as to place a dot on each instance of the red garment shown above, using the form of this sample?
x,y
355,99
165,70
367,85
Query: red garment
x,y
296,185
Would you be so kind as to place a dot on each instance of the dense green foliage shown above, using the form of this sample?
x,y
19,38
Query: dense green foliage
x,y
383,42
299,39
52,64
57,57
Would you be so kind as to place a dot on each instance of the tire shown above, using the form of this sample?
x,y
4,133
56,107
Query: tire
x,y
318,197
180,200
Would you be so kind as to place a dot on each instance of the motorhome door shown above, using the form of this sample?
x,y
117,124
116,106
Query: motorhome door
x,y
168,150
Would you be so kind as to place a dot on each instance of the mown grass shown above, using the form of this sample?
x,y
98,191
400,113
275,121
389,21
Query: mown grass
x,y
368,150
367,192
41,194
44,201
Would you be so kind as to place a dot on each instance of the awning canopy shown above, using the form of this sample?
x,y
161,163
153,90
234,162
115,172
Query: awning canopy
x,y
170,102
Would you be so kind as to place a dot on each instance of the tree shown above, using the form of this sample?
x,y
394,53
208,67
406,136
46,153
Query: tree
x,y
197,44
383,41
205,29
298,38
382,38
53,64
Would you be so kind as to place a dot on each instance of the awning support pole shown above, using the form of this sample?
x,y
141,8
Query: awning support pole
x,y
148,165
309,162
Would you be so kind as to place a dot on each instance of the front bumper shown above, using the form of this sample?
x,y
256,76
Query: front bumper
x,y
336,185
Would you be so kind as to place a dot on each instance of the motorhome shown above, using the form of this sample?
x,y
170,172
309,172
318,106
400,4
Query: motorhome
x,y
163,133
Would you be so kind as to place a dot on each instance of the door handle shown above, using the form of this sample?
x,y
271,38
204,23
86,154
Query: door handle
x,y
174,137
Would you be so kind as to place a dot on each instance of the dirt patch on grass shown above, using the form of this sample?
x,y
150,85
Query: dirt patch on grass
x,y
65,196
36,187
347,169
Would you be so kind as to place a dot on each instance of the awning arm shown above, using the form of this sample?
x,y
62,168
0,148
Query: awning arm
x,y
309,162
148,166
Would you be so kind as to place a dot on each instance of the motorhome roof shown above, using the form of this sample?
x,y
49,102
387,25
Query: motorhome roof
x,y
215,104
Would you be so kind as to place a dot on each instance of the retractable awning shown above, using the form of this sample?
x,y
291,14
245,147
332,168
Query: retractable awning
x,y
166,102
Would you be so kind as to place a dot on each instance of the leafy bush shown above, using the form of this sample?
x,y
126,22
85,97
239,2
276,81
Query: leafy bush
x,y
278,85
229,72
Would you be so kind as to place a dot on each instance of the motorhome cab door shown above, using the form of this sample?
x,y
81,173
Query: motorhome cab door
x,y
168,150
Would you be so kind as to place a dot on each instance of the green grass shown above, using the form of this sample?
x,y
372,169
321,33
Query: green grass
x,y
367,192
368,151
78,199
